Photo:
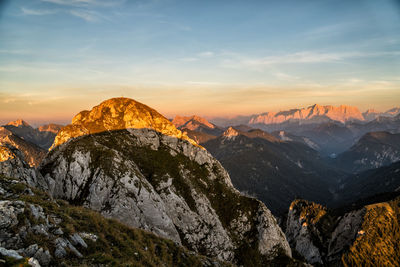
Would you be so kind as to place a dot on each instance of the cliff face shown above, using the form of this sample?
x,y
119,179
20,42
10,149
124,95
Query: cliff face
x,y
151,176
39,231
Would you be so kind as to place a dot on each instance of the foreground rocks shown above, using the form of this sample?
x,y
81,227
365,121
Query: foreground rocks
x,y
38,231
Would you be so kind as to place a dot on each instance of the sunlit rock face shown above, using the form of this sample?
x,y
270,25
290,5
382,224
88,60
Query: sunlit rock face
x,y
50,128
117,114
312,114
31,153
363,236
42,137
191,122
152,177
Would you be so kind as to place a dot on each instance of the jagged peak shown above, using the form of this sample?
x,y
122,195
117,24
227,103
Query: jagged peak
x,y
51,127
117,114
19,122
230,133
179,121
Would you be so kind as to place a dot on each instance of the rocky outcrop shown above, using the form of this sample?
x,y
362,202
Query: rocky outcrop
x,y
36,230
352,238
156,179
301,231
12,164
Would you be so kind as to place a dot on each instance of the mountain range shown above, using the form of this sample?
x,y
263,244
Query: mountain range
x,y
273,170
91,192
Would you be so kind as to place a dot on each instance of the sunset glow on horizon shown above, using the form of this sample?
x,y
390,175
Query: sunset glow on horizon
x,y
210,58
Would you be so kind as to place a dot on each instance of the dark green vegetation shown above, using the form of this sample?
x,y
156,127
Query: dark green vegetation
x,y
274,171
117,244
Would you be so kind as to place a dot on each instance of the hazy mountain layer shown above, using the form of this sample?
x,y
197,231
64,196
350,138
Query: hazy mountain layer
x,y
373,150
273,170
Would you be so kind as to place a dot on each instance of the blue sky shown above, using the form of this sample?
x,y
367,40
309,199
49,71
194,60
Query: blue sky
x,y
205,57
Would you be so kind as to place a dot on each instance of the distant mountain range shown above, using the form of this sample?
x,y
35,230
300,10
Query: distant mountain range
x,y
314,114
43,136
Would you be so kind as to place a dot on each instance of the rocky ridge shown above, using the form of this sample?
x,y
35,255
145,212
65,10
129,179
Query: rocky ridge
x,y
315,113
42,137
128,162
32,154
332,238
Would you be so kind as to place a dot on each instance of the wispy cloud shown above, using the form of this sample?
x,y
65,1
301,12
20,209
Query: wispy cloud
x,y
14,52
206,54
189,59
80,3
232,60
37,12
88,15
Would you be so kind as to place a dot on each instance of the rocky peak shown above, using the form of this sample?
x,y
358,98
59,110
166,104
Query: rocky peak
x,y
187,122
393,112
18,123
51,127
230,133
314,113
117,114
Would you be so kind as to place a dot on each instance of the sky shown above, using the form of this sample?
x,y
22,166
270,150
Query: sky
x,y
210,58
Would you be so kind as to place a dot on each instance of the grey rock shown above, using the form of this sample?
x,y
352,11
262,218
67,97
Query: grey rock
x,y
119,189
10,253
37,212
76,240
33,262
42,256
58,231
61,244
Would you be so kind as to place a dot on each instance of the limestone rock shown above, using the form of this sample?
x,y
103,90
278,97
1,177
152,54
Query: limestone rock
x,y
128,162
